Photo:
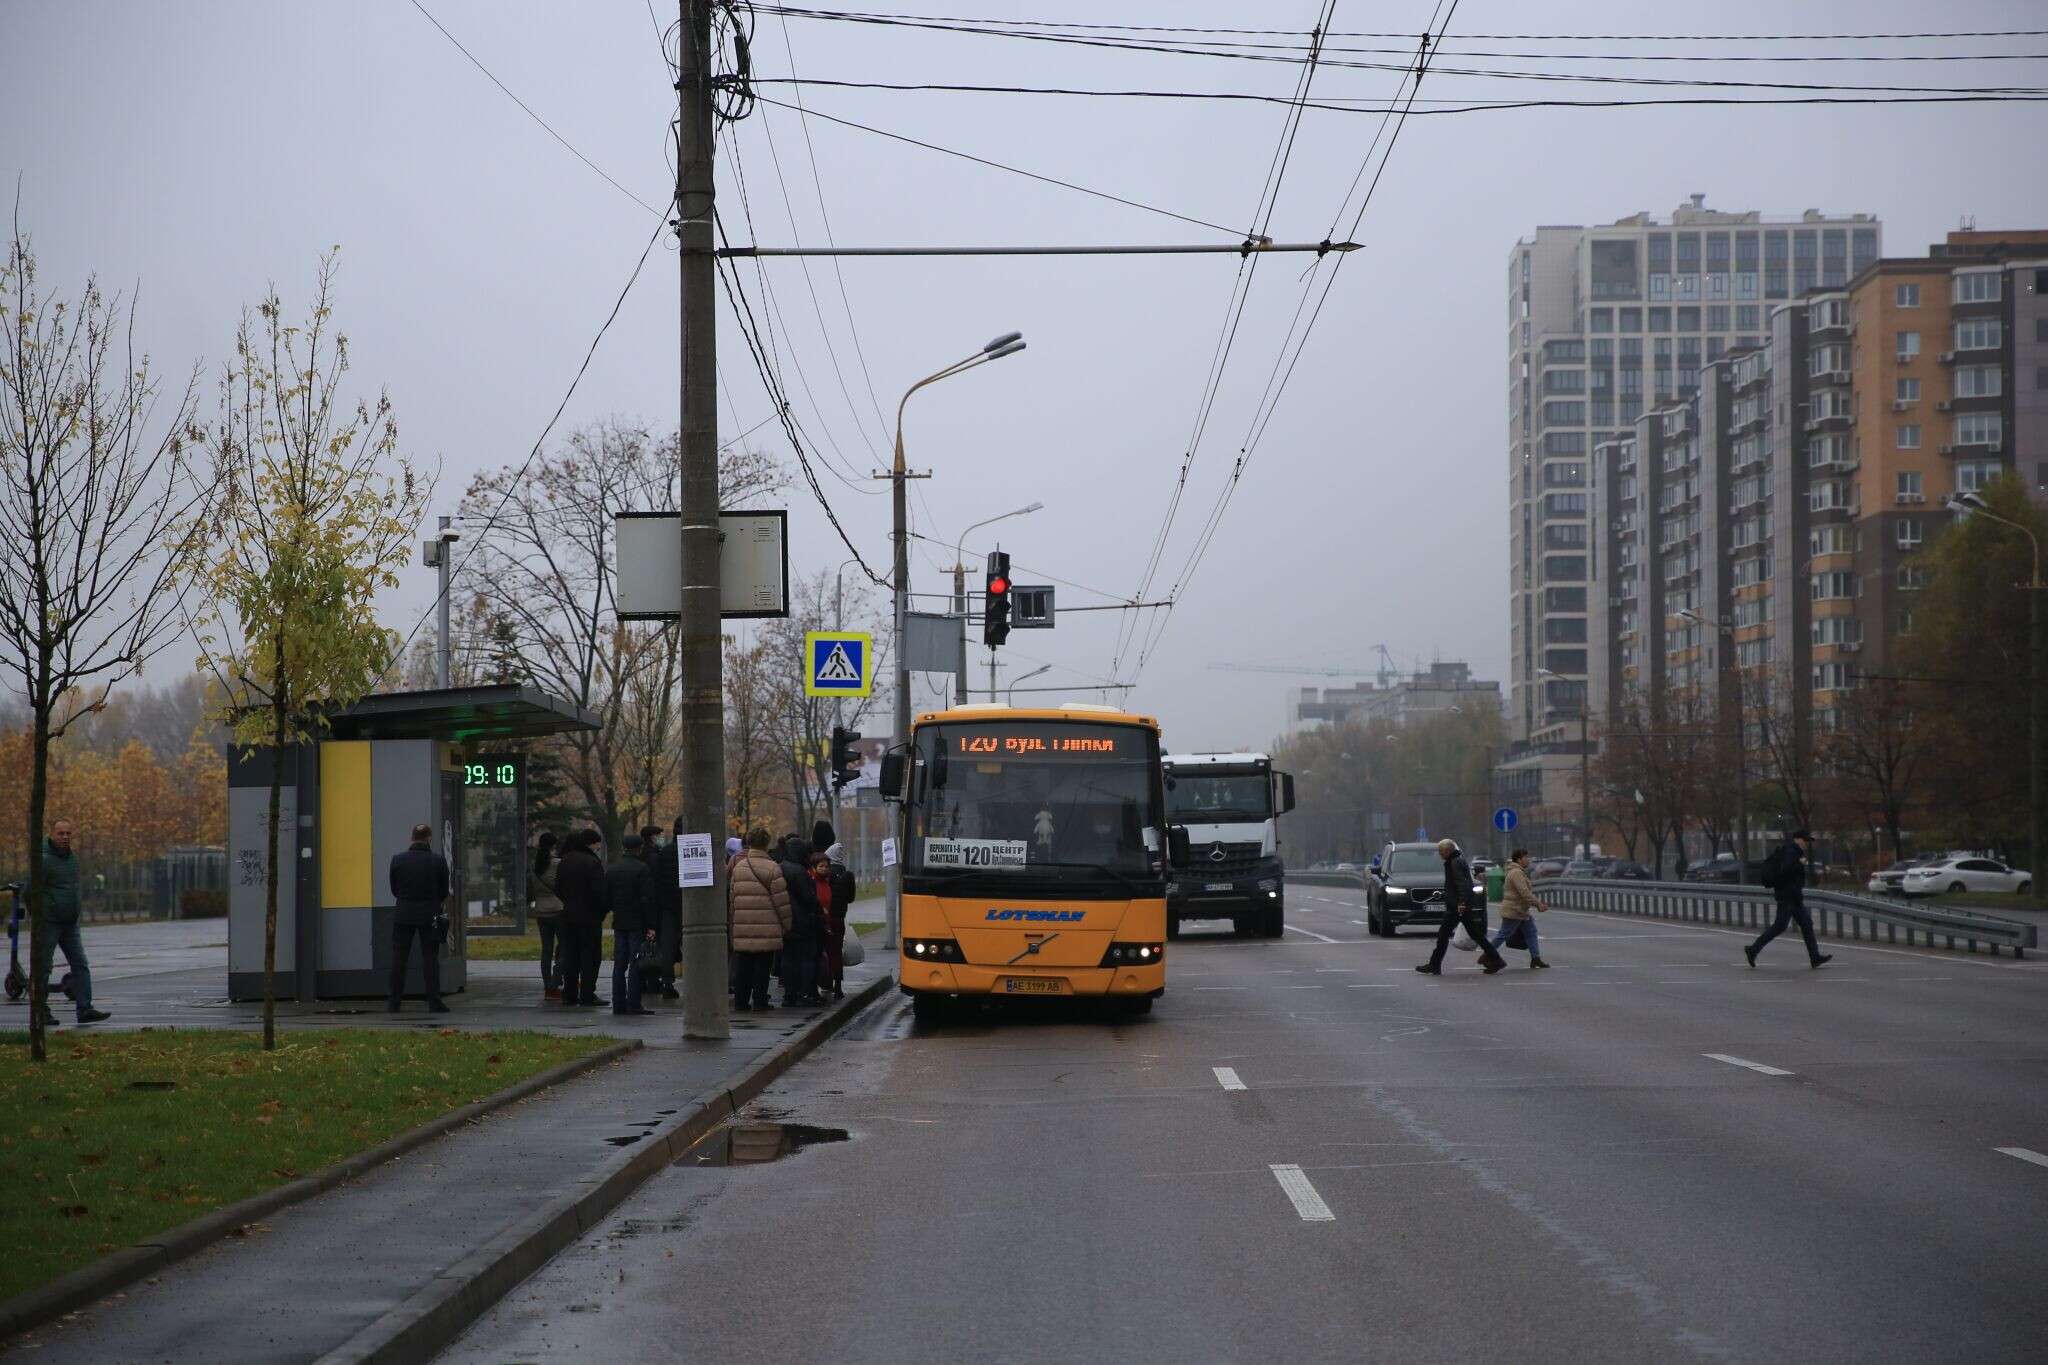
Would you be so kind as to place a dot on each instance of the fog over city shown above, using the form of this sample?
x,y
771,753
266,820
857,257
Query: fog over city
x,y
193,154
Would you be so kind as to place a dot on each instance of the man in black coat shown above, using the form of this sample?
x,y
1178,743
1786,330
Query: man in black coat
x,y
419,885
579,881
629,893
806,936
1785,873
1459,908
668,913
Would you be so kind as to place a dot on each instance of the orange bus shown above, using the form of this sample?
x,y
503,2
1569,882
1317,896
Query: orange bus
x,y
1034,858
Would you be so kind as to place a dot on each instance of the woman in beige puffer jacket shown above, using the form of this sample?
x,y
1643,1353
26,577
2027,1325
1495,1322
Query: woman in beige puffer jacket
x,y
757,915
1517,901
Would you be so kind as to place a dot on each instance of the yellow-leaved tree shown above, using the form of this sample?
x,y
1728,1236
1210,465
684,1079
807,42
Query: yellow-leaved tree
x,y
316,510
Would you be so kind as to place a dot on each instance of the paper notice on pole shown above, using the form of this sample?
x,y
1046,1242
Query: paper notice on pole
x,y
693,860
888,853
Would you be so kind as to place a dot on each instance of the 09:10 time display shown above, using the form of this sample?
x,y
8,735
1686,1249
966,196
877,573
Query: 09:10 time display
x,y
500,774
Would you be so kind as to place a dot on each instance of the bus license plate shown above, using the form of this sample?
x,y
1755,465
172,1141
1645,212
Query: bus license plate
x,y
1032,985
1217,886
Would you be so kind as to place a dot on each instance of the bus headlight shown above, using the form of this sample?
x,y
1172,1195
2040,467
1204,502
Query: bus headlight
x,y
1134,955
933,950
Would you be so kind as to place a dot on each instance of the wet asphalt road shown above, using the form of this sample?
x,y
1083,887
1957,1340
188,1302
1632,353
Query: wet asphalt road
x,y
1584,1164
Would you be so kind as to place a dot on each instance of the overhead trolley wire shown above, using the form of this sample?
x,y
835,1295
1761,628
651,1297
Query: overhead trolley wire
x,y
1247,271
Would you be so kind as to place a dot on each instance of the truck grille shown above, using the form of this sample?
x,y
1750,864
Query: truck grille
x,y
1220,859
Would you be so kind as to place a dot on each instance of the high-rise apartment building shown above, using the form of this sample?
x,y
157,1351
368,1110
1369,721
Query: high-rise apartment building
x,y
1605,324
1784,502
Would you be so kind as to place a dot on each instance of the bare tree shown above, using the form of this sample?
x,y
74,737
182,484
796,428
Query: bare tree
x,y
94,493
1877,751
800,727
543,565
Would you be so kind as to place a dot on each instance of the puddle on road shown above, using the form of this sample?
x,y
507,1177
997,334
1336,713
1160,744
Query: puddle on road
x,y
753,1144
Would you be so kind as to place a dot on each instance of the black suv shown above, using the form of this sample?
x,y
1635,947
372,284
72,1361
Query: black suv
x,y
1408,888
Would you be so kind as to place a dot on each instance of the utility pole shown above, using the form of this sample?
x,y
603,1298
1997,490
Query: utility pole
x,y
703,701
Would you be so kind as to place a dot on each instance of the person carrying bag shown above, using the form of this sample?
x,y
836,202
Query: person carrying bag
x,y
1518,898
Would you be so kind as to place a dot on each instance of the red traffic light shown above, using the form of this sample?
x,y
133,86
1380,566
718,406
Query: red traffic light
x,y
999,585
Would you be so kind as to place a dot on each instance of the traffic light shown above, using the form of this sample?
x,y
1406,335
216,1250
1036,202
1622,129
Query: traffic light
x,y
995,617
845,762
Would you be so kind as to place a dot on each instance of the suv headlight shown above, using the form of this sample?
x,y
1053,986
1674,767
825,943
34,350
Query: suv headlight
x,y
1396,891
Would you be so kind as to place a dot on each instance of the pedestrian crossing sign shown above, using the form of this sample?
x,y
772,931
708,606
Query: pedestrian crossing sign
x,y
840,664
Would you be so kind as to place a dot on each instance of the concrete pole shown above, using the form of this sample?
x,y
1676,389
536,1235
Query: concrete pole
x,y
702,709
441,611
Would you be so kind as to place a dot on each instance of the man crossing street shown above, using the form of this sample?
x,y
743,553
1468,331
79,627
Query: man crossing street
x,y
1459,909
1785,873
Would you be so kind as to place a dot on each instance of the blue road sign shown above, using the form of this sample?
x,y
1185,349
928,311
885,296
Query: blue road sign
x,y
838,664
1504,819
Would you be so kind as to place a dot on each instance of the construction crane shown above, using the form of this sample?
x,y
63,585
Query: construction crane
x,y
1385,674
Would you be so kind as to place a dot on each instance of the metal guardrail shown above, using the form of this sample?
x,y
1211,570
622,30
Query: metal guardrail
x,y
1835,914
1354,880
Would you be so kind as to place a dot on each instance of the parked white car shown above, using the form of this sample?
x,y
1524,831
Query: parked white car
x,y
1965,874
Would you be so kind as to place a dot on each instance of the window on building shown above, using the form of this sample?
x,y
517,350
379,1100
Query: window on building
x,y
1660,319
1979,381
2041,376
1905,296
1979,334
1564,414
1973,476
1717,318
1977,286
2041,474
1688,319
2041,329
1907,345
1600,320
1905,621
1908,533
1834,586
1748,317
1912,577
1906,390
1831,540
1909,435
1631,319
1979,428
1909,486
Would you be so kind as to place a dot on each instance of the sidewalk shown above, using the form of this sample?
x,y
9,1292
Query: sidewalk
x,y
322,1271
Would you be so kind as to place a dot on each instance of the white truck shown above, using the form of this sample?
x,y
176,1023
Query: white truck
x,y
1230,805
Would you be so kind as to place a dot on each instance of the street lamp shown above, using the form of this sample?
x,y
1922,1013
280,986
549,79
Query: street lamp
x,y
1010,693
1009,343
1727,627
2037,688
1585,770
960,590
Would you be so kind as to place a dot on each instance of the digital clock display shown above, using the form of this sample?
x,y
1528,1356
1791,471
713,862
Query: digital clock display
x,y
492,772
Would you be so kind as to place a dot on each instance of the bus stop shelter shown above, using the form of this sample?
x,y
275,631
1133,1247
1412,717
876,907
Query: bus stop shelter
x,y
349,802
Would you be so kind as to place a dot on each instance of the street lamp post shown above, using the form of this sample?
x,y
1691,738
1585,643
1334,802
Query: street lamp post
x,y
2037,689
1726,627
960,591
1010,694
1007,344
1585,770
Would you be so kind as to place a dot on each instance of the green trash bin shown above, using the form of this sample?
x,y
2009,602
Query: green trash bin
x,y
1496,884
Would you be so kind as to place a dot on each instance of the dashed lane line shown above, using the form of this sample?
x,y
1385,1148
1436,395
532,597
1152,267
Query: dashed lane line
x,y
1758,1067
2023,1154
1302,1194
1226,1076
1320,938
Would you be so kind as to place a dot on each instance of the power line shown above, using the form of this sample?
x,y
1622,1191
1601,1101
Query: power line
x,y
534,453
567,145
997,165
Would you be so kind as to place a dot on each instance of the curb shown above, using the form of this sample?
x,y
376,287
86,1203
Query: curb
x,y
434,1316
121,1268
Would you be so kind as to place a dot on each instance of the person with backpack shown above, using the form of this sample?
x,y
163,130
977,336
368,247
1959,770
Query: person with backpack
x,y
1785,873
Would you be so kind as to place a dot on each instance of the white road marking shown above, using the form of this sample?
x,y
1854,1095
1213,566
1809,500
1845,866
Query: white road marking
x,y
1358,921
1317,937
2022,1153
1753,1066
1221,988
1995,964
1227,1077
1372,986
1303,1195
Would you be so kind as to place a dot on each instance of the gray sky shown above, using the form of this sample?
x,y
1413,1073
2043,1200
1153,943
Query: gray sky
x,y
202,150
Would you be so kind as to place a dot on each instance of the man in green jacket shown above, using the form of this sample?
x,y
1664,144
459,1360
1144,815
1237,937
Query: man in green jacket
x,y
60,925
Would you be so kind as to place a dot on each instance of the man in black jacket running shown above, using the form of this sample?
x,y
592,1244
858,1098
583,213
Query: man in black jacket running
x,y
1785,873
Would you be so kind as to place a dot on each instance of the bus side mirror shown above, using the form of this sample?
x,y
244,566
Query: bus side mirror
x,y
1177,846
1285,803
894,767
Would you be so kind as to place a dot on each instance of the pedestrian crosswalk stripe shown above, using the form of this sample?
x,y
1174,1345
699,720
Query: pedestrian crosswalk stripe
x,y
1226,1076
1752,1066
1301,1194
2023,1154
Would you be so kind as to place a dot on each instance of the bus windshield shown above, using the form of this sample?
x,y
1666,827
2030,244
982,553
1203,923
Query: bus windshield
x,y
1215,796
1035,801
